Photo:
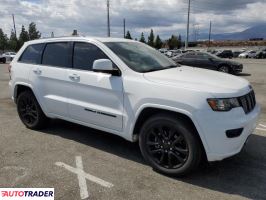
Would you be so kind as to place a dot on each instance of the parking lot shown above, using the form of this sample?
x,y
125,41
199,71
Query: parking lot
x,y
114,168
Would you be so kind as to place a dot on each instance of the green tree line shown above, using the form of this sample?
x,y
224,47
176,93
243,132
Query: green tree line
x,y
13,43
156,42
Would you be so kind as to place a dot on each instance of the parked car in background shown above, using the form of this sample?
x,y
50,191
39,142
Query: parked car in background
x,y
2,59
173,53
9,55
163,50
209,61
225,54
236,53
261,54
248,54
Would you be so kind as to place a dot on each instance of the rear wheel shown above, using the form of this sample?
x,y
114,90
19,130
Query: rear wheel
x,y
169,145
30,111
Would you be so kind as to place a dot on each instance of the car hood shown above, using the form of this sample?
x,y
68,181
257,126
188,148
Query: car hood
x,y
217,83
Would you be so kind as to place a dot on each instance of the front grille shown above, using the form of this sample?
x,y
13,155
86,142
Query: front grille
x,y
248,102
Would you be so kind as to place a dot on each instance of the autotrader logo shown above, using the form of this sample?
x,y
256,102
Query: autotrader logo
x,y
27,193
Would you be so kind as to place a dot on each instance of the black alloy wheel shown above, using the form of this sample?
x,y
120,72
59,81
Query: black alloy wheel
x,y
169,145
30,111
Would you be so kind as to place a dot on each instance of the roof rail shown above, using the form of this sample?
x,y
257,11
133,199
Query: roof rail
x,y
63,36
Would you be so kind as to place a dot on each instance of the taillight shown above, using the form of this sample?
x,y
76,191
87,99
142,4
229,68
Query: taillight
x,y
9,70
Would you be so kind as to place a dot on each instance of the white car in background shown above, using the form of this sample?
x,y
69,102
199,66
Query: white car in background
x,y
248,54
9,55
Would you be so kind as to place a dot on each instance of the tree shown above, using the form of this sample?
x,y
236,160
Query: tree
x,y
180,42
142,38
3,40
33,32
23,37
151,39
158,42
128,35
13,41
173,42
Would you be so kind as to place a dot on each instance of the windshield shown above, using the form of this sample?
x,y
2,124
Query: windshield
x,y
139,57
211,56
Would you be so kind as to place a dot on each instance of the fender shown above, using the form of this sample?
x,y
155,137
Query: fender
x,y
32,89
173,109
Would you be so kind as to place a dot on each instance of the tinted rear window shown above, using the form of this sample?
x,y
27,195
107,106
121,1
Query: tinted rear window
x,y
56,54
32,54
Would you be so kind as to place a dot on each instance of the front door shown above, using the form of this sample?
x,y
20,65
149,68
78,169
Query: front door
x,y
93,97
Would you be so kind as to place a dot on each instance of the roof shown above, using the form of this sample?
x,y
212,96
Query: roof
x,y
73,38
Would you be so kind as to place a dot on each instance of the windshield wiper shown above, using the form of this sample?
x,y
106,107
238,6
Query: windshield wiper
x,y
158,69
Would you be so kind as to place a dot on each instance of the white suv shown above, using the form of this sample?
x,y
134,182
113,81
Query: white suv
x,y
178,114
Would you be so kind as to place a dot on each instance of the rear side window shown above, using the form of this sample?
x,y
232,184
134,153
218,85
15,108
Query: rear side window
x,y
190,55
56,54
85,54
32,54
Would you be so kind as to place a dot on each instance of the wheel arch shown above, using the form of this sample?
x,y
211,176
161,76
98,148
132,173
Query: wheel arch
x,y
21,87
182,115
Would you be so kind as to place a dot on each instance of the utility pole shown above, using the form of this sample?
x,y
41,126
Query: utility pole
x,y
14,25
210,32
108,18
188,17
124,27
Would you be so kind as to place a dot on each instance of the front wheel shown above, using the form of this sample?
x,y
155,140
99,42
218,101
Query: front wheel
x,y
169,145
224,69
30,111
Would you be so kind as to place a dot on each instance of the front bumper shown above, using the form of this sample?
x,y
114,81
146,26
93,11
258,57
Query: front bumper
x,y
213,126
237,68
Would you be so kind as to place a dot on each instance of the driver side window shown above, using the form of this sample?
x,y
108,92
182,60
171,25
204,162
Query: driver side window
x,y
85,54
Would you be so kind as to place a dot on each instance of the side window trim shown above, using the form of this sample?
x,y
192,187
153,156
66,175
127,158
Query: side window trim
x,y
43,53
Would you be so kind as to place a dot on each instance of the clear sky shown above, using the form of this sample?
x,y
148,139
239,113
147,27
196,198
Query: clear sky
x,y
166,17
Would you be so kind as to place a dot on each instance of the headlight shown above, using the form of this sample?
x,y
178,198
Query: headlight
x,y
223,104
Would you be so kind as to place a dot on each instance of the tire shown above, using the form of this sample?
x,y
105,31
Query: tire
x,y
3,60
30,111
163,138
224,69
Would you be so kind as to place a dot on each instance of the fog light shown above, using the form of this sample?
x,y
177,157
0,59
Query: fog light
x,y
234,133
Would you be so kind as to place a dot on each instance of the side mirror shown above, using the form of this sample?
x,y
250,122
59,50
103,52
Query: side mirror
x,y
210,59
105,66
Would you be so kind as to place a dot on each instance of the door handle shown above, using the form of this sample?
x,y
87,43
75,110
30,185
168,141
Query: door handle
x,y
37,71
74,77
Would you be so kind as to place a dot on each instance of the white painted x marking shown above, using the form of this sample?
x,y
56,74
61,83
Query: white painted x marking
x,y
82,176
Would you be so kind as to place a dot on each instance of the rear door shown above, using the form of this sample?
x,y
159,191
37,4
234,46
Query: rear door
x,y
49,78
94,98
